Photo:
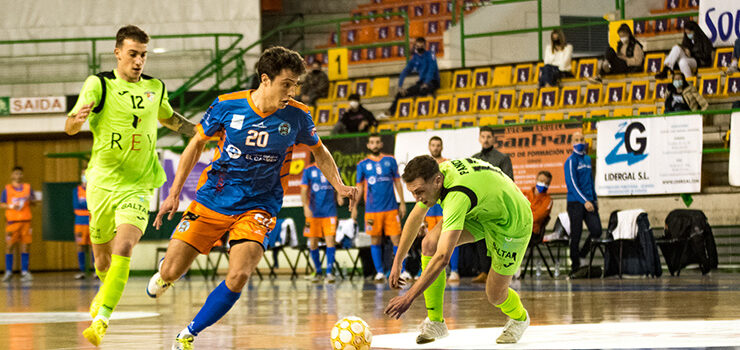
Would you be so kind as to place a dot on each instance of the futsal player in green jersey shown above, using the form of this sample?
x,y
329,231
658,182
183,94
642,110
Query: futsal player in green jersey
x,y
478,202
123,107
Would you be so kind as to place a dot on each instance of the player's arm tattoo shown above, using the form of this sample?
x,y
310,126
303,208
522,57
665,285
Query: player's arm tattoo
x,y
177,122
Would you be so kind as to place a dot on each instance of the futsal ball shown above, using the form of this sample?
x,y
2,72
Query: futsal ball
x,y
351,333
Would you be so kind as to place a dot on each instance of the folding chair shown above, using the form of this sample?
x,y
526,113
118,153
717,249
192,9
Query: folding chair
x,y
534,243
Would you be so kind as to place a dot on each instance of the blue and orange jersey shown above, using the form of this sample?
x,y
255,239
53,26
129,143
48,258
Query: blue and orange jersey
x,y
251,164
377,175
20,198
79,203
320,193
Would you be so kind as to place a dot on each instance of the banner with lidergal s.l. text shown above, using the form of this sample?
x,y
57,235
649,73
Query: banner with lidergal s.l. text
x,y
734,166
649,156
720,21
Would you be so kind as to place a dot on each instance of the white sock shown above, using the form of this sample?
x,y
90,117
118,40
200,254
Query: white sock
x,y
184,333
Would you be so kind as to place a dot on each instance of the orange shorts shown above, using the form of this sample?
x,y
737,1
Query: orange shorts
x,y
19,231
320,227
432,221
202,227
82,234
386,222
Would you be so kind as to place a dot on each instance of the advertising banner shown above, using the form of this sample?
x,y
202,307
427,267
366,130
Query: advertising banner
x,y
720,21
38,105
170,160
649,156
735,150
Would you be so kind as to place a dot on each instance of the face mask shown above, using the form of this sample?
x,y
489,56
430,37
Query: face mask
x,y
420,50
678,83
624,39
316,70
541,187
556,41
354,104
579,147
690,36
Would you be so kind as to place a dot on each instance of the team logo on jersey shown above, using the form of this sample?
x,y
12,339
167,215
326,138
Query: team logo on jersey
x,y
313,131
284,128
369,166
150,95
233,151
183,226
315,187
371,180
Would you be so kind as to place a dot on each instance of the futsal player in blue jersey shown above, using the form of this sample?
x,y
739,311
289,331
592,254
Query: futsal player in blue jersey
x,y
377,176
241,191
320,211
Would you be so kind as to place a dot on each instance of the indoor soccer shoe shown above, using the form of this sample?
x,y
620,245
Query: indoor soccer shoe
x,y
330,278
94,334
184,343
454,277
431,331
513,331
7,276
95,304
379,278
157,286
26,276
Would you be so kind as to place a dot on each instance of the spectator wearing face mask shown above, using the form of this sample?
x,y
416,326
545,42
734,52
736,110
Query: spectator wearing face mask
x,y
682,96
695,51
582,205
315,85
558,58
540,200
424,63
354,119
628,58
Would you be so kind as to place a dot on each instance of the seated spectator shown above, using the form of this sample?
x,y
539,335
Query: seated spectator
x,y
558,57
424,63
628,58
733,67
355,119
540,201
683,96
315,85
695,51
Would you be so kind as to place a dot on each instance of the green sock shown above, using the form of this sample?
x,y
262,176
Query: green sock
x,y
101,274
513,307
113,287
434,296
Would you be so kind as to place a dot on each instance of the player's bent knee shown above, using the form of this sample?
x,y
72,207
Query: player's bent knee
x,y
236,280
170,272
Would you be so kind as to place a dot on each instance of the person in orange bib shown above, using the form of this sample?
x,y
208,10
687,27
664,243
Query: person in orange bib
x,y
17,198
82,225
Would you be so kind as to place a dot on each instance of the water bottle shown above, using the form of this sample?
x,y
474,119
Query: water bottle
x,y
538,269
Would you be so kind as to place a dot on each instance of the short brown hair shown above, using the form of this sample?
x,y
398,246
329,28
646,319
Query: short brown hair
x,y
424,167
486,128
546,173
131,32
435,138
277,58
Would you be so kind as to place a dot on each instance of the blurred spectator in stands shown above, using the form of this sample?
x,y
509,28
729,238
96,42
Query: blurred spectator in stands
x,y
581,201
315,85
424,63
540,200
558,57
733,67
694,52
628,58
354,119
683,96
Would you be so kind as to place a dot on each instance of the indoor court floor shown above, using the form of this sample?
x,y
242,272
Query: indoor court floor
x,y
689,311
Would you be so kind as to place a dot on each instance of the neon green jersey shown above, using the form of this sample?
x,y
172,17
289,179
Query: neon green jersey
x,y
474,190
124,127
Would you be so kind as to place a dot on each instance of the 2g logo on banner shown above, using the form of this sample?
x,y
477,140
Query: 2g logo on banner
x,y
635,146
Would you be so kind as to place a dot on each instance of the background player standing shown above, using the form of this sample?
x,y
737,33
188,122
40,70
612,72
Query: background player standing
x,y
123,107
82,224
377,176
17,198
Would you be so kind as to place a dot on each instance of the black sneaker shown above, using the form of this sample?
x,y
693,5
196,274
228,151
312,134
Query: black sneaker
x,y
663,74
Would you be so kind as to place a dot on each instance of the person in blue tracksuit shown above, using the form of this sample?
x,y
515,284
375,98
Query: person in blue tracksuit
x,y
582,202
424,63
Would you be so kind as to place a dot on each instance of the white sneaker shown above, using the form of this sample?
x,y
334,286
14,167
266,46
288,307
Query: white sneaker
x,y
406,276
156,286
513,331
26,276
379,278
184,343
80,276
454,277
330,278
7,276
430,331
317,278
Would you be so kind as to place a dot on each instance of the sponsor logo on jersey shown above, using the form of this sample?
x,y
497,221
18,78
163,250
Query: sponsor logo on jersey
x,y
233,152
236,121
259,157
260,125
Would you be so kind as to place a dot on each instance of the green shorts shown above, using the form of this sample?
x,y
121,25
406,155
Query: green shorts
x,y
506,250
110,209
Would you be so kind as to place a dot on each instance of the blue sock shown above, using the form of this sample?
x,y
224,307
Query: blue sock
x,y
454,259
218,303
403,263
376,250
316,260
9,262
330,251
81,261
24,262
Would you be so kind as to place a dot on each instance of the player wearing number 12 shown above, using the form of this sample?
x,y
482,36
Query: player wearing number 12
x,y
242,190
123,107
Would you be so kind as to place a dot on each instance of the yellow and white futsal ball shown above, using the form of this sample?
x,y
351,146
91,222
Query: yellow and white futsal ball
x,y
351,333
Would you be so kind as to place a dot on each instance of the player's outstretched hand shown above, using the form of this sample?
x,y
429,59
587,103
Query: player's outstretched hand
x,y
398,306
394,279
350,192
170,205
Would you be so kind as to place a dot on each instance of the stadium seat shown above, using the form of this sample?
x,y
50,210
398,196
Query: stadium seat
x,y
425,125
380,87
593,96
523,73
443,105
404,107
502,76
650,110
423,107
654,63
732,85
531,118
527,99
569,96
548,97
623,112
554,116
510,119
341,90
615,93
445,81
466,122
506,100
709,85
361,87
323,114
461,79
661,25
599,113
384,128
483,102
488,120
538,70
341,107
482,78
405,126
446,124
576,115
661,90
464,104
639,92
586,68
640,28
